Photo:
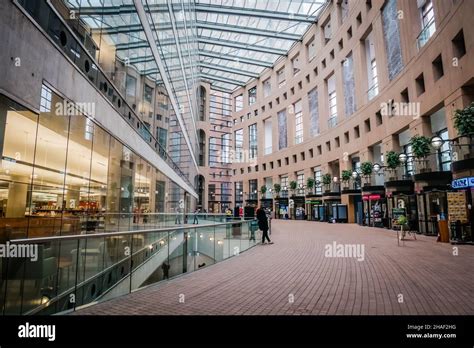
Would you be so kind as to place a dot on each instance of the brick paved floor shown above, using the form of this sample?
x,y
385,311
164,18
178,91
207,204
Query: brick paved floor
x,y
266,278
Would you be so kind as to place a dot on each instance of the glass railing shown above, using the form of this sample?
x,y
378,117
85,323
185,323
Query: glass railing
x,y
68,224
64,273
396,174
462,147
430,163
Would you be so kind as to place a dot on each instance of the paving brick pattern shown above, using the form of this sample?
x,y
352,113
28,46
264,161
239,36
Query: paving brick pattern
x,y
293,277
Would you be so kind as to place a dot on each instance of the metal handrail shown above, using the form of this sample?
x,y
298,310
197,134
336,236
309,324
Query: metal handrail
x,y
124,233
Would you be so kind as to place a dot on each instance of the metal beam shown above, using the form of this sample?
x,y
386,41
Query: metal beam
x,y
240,11
247,31
143,44
253,12
116,10
242,46
221,89
229,70
150,38
131,46
233,58
122,29
223,79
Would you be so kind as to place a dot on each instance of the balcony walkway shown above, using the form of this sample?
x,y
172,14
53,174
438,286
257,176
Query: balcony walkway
x,y
265,279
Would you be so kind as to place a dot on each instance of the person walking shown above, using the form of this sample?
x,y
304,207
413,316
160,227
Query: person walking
x,y
165,267
263,224
196,221
178,216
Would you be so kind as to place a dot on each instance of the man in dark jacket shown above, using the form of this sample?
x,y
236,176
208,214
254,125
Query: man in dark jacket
x,y
263,224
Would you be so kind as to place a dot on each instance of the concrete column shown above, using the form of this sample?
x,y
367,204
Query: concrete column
x,y
17,197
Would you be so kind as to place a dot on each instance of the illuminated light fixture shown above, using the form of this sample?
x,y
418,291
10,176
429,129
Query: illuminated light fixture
x,y
220,242
150,247
354,175
200,236
436,142
377,167
211,238
402,157
335,179
162,242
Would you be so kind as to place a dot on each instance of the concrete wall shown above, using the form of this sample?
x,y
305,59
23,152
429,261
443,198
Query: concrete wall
x,y
453,90
40,61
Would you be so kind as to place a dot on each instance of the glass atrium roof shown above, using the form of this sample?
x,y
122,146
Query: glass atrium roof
x,y
225,42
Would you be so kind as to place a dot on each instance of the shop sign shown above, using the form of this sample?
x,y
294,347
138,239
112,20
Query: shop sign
x,y
371,197
457,206
397,212
463,183
313,202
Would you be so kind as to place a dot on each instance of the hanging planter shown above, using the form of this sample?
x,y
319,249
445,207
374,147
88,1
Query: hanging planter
x,y
366,170
346,176
393,162
420,146
327,182
464,120
310,184
464,125
293,186
277,189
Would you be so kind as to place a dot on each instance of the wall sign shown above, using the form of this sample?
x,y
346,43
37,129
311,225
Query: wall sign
x,y
463,182
457,205
371,197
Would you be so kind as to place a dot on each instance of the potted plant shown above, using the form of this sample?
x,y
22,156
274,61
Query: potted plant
x,y
402,222
420,146
366,170
393,161
327,181
464,125
310,184
464,120
263,190
346,176
277,189
293,186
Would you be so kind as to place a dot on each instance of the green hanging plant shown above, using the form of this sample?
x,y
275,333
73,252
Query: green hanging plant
x,y
310,183
293,185
366,168
393,161
326,179
464,120
263,189
346,175
420,146
277,188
